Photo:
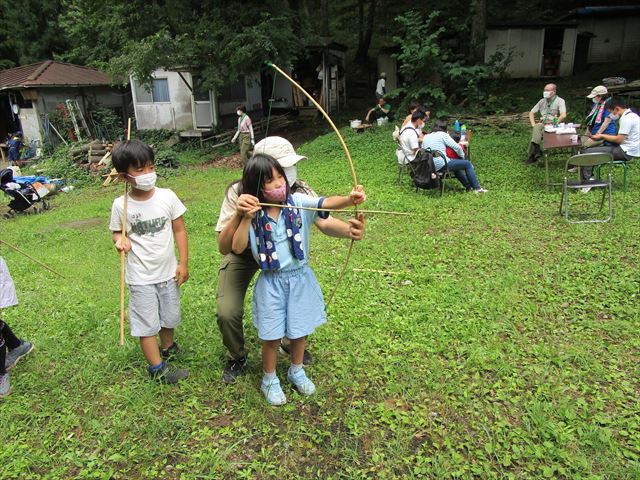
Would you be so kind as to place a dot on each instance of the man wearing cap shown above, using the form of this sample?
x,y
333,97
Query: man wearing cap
x,y
598,121
381,86
552,110
623,146
236,271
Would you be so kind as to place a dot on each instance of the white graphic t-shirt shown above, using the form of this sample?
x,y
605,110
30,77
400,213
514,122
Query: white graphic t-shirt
x,y
630,126
152,258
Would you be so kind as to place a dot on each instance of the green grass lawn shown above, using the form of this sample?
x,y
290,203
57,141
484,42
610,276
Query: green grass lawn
x,y
502,344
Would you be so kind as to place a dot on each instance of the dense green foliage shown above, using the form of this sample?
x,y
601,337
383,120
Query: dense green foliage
x,y
501,343
223,40
439,72
219,40
30,31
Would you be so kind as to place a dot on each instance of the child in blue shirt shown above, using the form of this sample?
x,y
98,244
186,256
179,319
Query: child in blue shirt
x,y
287,300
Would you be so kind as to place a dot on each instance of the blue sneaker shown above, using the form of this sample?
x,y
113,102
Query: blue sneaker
x,y
13,356
5,385
301,382
273,391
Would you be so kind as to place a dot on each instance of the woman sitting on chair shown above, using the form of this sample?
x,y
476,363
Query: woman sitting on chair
x,y
439,140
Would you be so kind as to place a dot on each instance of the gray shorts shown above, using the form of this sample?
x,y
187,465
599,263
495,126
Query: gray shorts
x,y
152,307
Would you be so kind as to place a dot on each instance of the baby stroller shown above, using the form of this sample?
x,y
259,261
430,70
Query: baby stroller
x,y
23,195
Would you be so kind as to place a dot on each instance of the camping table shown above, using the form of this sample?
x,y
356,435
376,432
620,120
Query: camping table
x,y
553,141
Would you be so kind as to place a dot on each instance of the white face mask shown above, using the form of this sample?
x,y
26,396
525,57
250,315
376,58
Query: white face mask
x,y
145,182
614,117
546,94
292,175
239,112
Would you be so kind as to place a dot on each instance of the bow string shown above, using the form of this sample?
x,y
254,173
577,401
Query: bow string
x,y
349,159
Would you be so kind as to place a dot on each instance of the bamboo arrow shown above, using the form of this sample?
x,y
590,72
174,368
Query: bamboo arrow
x,y
333,210
31,258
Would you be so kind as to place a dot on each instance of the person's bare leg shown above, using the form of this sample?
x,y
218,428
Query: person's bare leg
x,y
297,350
296,374
166,337
149,346
269,355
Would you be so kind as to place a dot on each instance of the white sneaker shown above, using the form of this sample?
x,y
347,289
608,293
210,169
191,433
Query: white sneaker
x,y
480,190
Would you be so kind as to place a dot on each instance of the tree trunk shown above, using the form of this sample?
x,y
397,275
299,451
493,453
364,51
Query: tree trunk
x,y
324,13
478,30
360,21
363,46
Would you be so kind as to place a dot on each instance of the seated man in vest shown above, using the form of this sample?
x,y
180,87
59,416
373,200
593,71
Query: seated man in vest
x,y
625,145
551,109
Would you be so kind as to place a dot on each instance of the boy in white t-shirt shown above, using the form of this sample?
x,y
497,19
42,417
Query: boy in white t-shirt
x,y
411,136
154,221
625,145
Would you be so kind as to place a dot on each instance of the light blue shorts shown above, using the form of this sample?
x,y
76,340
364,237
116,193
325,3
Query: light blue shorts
x,y
287,304
152,307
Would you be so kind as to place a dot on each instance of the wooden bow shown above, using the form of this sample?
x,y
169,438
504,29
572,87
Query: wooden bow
x,y
346,151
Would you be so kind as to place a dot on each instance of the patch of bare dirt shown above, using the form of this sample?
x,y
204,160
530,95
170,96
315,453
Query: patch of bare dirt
x,y
83,224
230,161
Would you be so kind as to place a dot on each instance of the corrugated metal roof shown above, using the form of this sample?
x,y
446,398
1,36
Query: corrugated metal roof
x,y
52,74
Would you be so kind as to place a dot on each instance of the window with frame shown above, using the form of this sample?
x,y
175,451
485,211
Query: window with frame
x,y
158,93
235,92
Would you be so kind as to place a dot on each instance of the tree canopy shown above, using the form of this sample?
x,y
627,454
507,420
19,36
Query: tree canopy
x,y
222,40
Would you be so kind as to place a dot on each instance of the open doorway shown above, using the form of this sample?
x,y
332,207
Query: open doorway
x,y
552,51
581,61
9,120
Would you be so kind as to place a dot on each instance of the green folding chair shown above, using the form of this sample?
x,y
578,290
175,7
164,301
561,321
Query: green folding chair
x,y
625,167
593,160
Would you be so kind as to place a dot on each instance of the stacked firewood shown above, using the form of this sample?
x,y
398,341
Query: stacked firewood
x,y
93,156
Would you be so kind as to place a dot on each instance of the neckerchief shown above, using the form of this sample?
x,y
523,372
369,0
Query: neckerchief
x,y
595,116
267,255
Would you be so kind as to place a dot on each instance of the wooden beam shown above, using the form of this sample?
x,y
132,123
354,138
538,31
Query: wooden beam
x,y
185,82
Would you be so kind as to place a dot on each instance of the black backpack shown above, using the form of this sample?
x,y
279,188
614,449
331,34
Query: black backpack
x,y
422,169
